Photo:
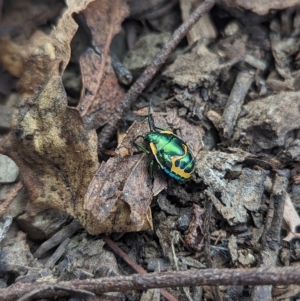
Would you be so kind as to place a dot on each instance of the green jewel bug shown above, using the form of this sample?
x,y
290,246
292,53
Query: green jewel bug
x,y
170,152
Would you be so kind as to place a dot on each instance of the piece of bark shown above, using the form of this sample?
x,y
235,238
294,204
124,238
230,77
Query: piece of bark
x,y
268,120
237,196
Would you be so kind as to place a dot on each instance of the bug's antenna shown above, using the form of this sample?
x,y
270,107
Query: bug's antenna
x,y
150,118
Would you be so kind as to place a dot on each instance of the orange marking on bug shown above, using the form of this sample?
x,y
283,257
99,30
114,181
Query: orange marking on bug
x,y
178,170
167,132
153,148
154,152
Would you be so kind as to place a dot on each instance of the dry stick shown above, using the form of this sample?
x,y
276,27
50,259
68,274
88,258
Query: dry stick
x,y
235,102
82,294
15,191
271,243
134,265
257,276
57,238
140,84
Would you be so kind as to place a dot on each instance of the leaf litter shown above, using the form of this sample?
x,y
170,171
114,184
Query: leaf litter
x,y
247,176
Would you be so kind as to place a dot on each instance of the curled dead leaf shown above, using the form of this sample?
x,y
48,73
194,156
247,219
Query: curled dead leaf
x,y
123,181
57,156
119,195
101,91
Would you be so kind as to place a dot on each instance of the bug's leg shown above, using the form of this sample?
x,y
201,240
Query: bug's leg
x,y
143,149
151,179
136,138
140,147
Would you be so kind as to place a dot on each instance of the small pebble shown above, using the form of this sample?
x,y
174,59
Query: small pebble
x,y
183,222
9,171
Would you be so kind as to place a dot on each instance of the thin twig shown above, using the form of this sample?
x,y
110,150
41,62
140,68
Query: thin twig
x,y
134,265
257,276
234,103
140,84
124,256
8,200
57,238
82,294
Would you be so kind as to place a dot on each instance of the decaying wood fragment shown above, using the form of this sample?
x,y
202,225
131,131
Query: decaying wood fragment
x,y
237,195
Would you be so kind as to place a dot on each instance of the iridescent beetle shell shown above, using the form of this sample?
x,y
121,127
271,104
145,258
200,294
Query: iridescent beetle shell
x,y
171,153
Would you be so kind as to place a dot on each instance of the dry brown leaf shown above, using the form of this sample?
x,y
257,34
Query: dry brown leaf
x,y
34,60
10,56
119,206
118,194
122,181
64,32
21,18
38,57
57,156
101,91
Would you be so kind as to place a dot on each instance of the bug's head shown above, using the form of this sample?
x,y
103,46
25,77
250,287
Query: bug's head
x,y
152,137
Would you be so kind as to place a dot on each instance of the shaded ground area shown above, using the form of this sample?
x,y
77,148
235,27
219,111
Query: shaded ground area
x,y
73,208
